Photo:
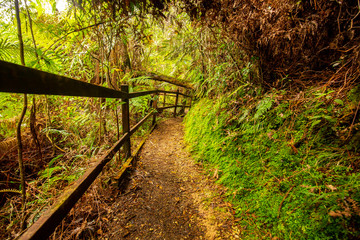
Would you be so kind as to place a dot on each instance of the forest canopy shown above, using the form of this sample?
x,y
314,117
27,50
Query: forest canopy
x,y
302,42
289,43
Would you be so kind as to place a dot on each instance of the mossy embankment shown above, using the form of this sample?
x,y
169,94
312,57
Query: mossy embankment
x,y
290,162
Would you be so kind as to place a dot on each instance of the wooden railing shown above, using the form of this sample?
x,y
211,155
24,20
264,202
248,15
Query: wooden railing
x,y
18,79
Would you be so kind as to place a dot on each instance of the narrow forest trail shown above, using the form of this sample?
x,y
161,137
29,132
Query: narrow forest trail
x,y
167,195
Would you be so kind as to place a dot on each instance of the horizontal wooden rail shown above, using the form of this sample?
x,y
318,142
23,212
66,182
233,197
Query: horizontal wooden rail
x,y
162,108
141,122
139,94
129,161
172,106
163,78
19,79
163,91
48,221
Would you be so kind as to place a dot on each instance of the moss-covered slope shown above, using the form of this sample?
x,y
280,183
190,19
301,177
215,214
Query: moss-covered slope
x,y
290,163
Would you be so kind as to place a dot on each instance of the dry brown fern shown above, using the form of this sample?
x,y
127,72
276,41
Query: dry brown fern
x,y
350,208
9,123
355,206
10,191
303,42
8,144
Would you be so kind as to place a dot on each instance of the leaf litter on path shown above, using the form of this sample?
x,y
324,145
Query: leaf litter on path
x,y
165,196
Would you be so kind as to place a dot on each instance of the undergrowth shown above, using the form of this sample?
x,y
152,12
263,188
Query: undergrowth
x,y
290,163
73,132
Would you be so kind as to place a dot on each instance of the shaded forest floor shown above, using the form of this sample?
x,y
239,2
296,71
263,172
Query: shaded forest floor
x,y
164,195
167,195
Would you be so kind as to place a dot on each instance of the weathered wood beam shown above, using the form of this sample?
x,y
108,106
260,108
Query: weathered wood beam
x,y
141,122
125,116
163,78
174,92
128,162
162,108
19,79
139,94
176,101
49,220
172,106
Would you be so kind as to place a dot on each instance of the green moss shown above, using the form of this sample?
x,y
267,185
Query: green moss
x,y
287,163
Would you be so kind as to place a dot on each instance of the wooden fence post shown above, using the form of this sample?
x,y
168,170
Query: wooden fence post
x,y
183,104
155,107
126,121
164,104
176,102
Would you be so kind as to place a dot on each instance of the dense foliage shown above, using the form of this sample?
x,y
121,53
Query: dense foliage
x,y
297,43
291,166
276,101
84,44
277,117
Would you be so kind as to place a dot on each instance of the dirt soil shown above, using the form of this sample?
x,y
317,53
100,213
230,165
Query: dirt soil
x,y
168,196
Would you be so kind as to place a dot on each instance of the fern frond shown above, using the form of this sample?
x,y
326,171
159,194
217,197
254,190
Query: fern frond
x,y
10,191
263,106
9,51
6,49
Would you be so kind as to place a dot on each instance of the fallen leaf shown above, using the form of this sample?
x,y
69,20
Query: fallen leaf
x,y
331,187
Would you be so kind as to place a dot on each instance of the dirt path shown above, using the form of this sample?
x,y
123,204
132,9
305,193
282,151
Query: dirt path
x,y
167,196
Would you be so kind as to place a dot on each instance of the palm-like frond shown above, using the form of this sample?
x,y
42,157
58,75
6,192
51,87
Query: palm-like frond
x,y
8,50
